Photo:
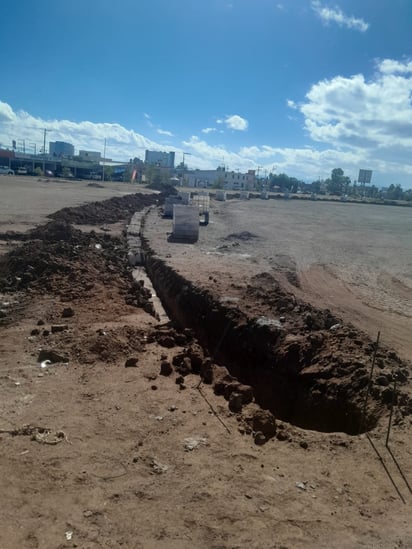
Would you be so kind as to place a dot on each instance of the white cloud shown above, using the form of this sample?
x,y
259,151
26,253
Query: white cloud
x,y
336,15
122,143
148,120
234,122
370,119
6,112
206,156
391,66
354,112
209,130
164,132
305,163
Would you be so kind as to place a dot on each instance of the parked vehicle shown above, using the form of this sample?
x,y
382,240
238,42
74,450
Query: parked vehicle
x,y
22,170
4,170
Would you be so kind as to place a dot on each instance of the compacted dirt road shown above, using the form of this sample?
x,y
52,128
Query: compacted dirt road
x,y
208,430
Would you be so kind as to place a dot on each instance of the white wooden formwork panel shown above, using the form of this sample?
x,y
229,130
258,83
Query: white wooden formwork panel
x,y
185,197
169,203
186,222
221,195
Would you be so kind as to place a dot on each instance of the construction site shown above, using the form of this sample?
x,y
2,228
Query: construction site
x,y
210,370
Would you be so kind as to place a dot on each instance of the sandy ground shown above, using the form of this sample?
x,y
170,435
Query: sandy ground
x,y
95,454
26,201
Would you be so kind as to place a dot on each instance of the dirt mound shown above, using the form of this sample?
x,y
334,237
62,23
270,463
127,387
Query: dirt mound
x,y
56,230
107,211
164,188
59,250
109,345
243,235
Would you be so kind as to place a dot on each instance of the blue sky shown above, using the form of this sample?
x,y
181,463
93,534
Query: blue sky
x,y
294,86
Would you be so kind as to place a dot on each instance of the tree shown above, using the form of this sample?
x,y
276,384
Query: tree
x,y
316,186
338,183
218,183
108,172
407,195
394,192
286,183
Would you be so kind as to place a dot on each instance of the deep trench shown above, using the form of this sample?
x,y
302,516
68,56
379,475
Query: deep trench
x,y
249,353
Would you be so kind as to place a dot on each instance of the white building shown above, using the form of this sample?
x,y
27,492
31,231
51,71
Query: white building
x,y
161,159
228,180
204,178
236,181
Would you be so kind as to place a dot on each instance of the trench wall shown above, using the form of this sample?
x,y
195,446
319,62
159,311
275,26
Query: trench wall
x,y
255,355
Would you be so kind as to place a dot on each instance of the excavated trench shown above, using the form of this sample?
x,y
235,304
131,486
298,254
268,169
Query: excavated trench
x,y
252,354
296,378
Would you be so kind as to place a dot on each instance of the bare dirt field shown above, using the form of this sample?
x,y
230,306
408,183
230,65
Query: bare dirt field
x,y
26,201
226,427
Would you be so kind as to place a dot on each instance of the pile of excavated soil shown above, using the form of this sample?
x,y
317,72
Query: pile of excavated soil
x,y
111,210
53,261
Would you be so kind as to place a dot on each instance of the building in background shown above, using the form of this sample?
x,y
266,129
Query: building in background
x,y
60,148
236,181
90,156
205,178
221,178
160,159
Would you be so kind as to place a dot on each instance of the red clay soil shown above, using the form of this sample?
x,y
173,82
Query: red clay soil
x,y
119,431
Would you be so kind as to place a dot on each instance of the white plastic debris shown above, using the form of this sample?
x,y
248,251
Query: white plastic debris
x,y
301,485
158,467
69,535
46,363
191,443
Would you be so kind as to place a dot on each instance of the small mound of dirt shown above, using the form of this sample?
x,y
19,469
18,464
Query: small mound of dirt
x,y
244,236
165,188
55,231
108,345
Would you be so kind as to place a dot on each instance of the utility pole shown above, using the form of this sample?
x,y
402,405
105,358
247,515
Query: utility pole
x,y
185,154
183,166
44,151
104,158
